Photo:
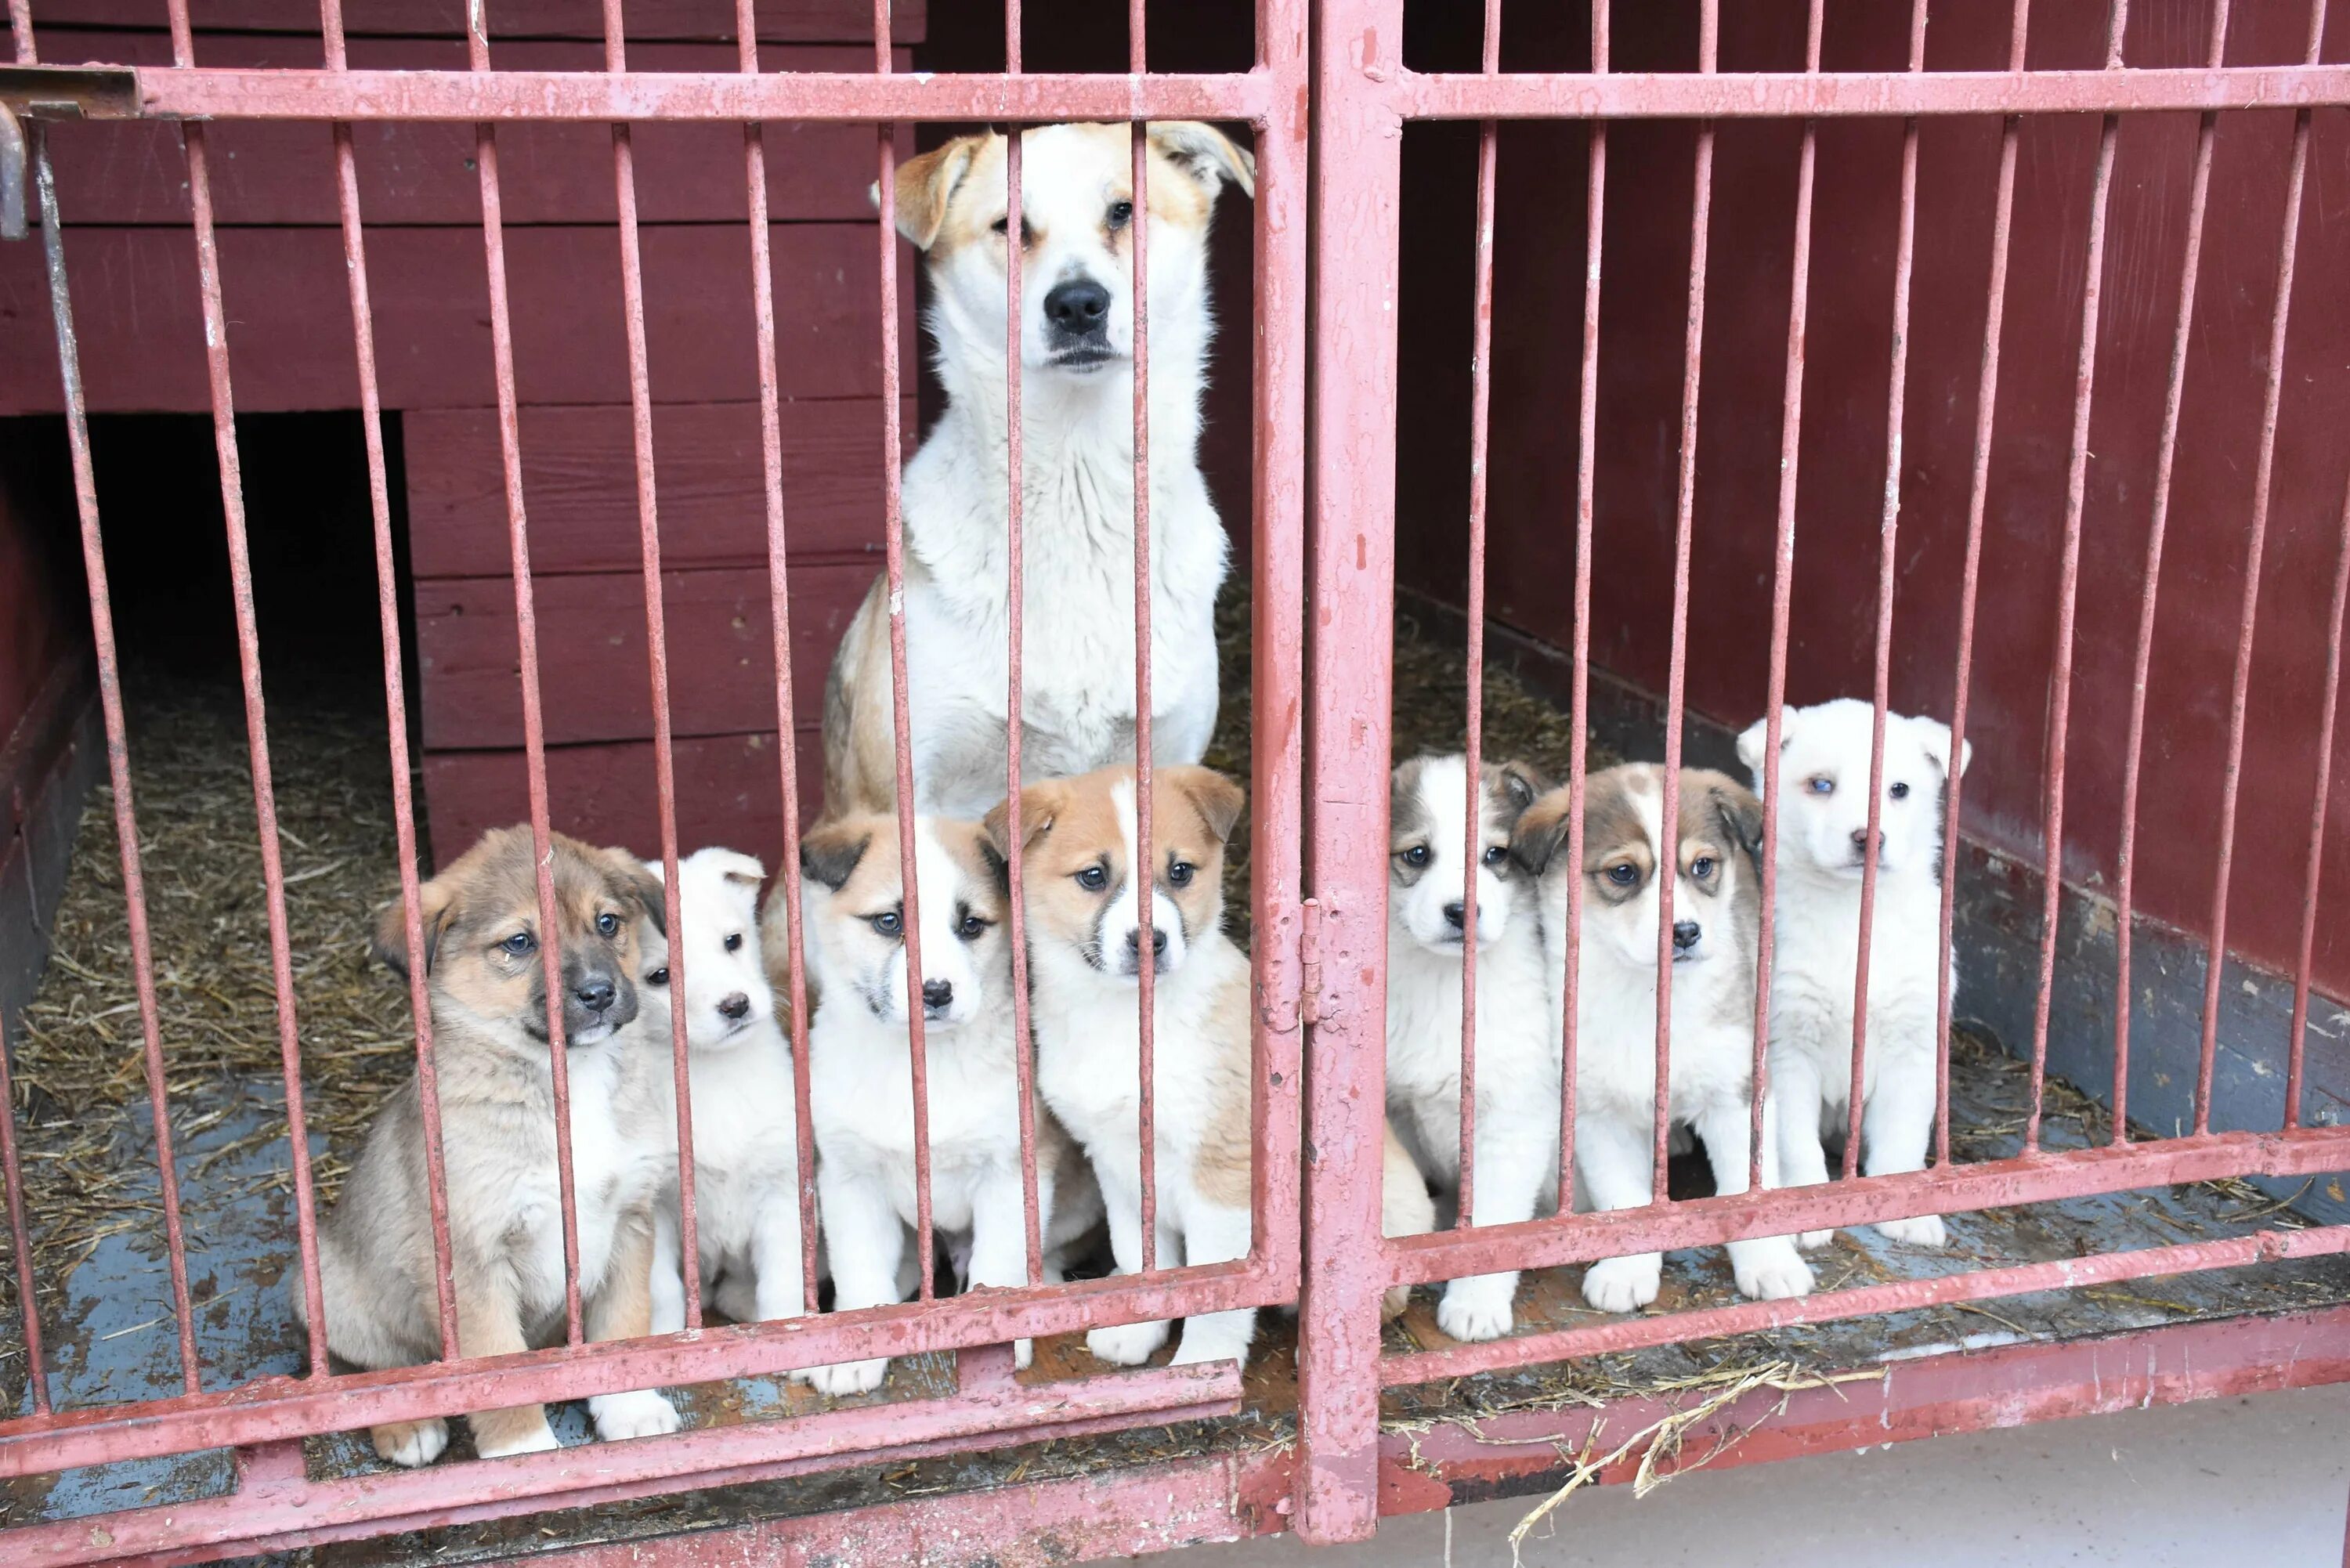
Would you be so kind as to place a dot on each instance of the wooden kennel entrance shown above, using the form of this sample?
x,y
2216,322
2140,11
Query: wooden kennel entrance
x,y
1373,1423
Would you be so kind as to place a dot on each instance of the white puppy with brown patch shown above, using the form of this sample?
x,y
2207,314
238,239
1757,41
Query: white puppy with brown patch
x,y
1076,335
1823,810
860,1072
1717,910
745,1143
1517,1045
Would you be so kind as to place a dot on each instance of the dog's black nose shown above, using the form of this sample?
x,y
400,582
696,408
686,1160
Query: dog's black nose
x,y
737,1006
1158,941
1078,307
937,992
1456,915
1685,935
596,996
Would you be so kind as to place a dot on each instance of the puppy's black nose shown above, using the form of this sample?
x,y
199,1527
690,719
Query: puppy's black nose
x,y
1078,307
737,1006
1158,941
1685,935
1456,915
596,996
937,992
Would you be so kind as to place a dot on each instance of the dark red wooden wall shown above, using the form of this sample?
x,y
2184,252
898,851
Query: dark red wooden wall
x,y
1537,337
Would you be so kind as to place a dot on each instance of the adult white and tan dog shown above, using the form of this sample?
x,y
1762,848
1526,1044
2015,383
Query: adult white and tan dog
x,y
745,1142
1717,914
1823,811
1076,335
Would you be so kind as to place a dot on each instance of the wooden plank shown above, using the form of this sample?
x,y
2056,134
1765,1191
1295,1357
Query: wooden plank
x,y
288,306
796,21
592,669
265,172
729,792
580,478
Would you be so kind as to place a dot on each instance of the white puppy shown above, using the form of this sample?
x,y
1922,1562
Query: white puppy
x,y
745,1146
1517,1045
1717,910
861,1073
1077,382
1823,811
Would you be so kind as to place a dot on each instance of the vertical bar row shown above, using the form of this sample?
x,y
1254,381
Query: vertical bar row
x,y
2132,750
534,723
1978,493
395,697
2255,542
1145,869
2060,677
2314,861
1905,247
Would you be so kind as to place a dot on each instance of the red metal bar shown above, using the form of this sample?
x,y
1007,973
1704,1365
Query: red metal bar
x,y
20,1240
2060,675
2255,545
1783,576
533,727
1618,1335
1587,464
1146,869
1480,402
1970,575
2190,265
395,696
1708,35
2318,801
1905,247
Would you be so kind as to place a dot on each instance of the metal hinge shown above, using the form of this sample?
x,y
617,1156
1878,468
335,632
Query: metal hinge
x,y
1309,962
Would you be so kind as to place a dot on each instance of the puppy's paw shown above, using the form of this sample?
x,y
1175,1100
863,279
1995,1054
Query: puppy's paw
x,y
1772,1273
1024,1351
1126,1343
845,1378
536,1438
1474,1310
1623,1285
1392,1305
1926,1230
640,1413
1813,1241
411,1444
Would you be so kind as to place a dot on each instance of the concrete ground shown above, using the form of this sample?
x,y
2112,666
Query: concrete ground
x,y
2261,1482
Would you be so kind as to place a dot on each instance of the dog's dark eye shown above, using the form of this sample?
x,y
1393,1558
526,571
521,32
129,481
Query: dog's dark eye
x,y
888,923
734,942
1179,873
1093,878
1702,867
1496,857
608,924
1820,784
659,976
1120,214
519,944
970,927
1002,225
1899,792
1622,876
1415,856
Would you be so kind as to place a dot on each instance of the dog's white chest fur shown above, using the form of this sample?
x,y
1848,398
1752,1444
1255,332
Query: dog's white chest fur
x,y
1814,975
615,1166
861,1097
1517,1049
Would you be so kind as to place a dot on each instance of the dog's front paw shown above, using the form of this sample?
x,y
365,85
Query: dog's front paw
x,y
1813,1241
640,1413
1772,1272
1474,1310
411,1444
1024,1351
1623,1285
1126,1343
1926,1230
845,1378
537,1438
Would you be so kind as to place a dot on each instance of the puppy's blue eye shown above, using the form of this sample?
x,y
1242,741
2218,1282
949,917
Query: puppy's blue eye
x,y
608,924
1623,876
888,923
1702,867
519,944
734,942
1820,784
1496,857
1180,873
1899,792
1415,856
1093,878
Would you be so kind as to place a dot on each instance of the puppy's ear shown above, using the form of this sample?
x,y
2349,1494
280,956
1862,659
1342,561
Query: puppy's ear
x,y
1040,804
925,184
1521,787
1757,735
742,872
436,906
632,879
831,853
1205,153
1934,736
1741,813
1540,831
1217,799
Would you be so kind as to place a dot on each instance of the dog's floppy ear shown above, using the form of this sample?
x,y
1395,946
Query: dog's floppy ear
x,y
1540,830
1757,735
742,872
1741,812
631,878
1217,799
436,906
1934,736
1521,787
1205,153
831,853
924,185
1040,804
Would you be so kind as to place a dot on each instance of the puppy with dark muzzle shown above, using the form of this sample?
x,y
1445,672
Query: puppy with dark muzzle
x,y
486,976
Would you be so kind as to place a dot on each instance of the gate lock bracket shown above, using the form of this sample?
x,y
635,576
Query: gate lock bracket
x,y
52,92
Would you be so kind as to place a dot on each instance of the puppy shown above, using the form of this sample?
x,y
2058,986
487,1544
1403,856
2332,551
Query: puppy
x,y
860,1072
1823,810
1077,425
490,1038
1717,906
1517,1045
745,1146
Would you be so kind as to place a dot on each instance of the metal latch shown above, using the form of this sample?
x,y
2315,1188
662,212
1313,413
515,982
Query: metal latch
x,y
52,92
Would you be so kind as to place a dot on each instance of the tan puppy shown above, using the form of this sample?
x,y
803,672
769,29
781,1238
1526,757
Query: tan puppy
x,y
487,980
